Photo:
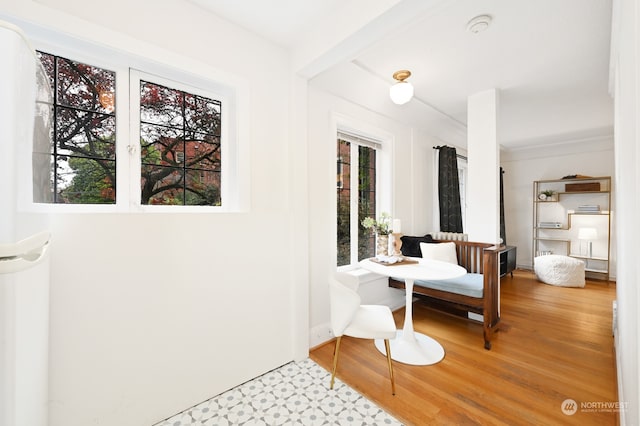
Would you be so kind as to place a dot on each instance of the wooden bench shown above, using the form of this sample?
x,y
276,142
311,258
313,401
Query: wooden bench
x,y
479,258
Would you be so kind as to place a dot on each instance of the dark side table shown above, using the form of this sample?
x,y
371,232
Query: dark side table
x,y
507,260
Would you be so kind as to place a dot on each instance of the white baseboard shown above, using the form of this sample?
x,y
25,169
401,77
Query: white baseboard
x,y
395,302
319,335
621,394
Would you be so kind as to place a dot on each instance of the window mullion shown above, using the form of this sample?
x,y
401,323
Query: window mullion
x,y
183,96
122,126
133,147
354,201
55,129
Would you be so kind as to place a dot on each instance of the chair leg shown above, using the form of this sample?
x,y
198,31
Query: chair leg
x,y
393,382
335,361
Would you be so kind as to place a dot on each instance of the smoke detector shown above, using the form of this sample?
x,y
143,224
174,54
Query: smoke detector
x,y
479,24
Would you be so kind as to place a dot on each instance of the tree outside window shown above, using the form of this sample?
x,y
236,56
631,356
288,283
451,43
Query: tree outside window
x,y
179,146
355,243
83,140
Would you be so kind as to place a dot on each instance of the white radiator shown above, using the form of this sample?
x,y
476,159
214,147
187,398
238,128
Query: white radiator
x,y
451,236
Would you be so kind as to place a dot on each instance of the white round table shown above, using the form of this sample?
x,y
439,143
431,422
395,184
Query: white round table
x,y
408,346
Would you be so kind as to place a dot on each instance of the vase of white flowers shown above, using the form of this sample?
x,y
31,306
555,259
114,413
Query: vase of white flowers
x,y
382,244
382,229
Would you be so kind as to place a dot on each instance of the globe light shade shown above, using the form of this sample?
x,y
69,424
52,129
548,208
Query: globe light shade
x,y
401,92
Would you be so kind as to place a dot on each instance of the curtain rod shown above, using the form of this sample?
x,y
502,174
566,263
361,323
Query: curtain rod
x,y
445,146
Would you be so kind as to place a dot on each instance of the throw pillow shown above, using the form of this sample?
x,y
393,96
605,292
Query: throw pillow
x,y
411,245
445,252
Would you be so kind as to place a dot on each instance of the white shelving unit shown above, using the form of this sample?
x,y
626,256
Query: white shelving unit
x,y
572,217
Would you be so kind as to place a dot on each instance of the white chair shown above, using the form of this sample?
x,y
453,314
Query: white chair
x,y
350,318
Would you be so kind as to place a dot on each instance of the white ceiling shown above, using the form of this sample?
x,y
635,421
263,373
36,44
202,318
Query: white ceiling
x,y
548,58
280,21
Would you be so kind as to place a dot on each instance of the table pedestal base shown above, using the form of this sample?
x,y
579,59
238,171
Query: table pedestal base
x,y
418,349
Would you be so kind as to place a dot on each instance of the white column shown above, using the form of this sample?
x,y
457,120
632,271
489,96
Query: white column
x,y
483,192
625,62
298,232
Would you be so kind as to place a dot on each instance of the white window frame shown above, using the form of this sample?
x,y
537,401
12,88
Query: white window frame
x,y
134,190
234,97
86,56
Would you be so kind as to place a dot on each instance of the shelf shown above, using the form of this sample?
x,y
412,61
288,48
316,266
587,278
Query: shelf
x,y
579,256
583,192
563,209
559,194
597,271
591,213
580,179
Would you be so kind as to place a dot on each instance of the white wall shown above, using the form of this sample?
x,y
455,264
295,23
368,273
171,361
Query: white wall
x,y
522,167
626,86
412,178
153,313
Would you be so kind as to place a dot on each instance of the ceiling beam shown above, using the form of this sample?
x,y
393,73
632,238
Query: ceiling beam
x,y
351,29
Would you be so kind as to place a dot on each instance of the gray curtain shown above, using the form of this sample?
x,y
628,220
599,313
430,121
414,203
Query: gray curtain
x,y
449,190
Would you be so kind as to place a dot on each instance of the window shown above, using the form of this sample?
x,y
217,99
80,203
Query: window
x,y
177,158
355,243
179,147
83,137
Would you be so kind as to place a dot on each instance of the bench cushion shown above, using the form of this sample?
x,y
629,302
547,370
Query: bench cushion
x,y
471,285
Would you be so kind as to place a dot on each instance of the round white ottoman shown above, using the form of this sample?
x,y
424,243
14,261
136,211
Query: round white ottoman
x,y
563,271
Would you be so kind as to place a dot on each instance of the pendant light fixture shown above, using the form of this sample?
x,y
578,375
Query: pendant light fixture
x,y
402,91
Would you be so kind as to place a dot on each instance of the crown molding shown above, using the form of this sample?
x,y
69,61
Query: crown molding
x,y
566,144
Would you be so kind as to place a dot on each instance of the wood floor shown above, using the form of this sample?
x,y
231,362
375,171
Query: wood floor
x,y
555,344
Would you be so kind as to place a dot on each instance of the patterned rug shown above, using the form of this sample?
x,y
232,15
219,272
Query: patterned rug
x,y
295,394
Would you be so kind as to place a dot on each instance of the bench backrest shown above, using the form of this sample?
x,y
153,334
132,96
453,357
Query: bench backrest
x,y
470,254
